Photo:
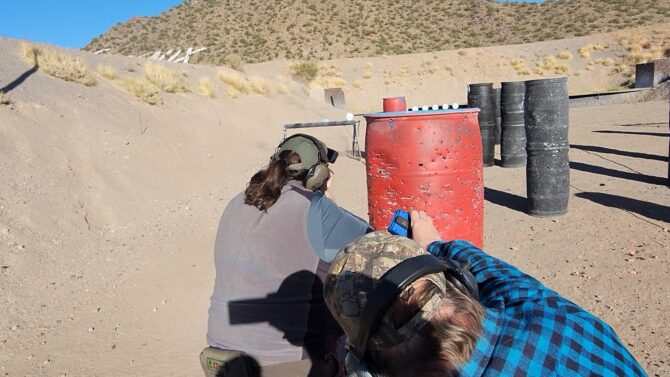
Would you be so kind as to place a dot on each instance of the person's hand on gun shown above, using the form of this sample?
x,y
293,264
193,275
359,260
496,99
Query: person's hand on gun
x,y
423,229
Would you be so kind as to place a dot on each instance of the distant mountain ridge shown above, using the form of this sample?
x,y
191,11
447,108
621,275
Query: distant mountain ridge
x,y
236,31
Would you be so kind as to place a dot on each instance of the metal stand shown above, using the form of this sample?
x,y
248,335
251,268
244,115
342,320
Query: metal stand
x,y
355,148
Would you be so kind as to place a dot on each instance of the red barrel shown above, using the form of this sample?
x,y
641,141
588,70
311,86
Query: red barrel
x,y
430,161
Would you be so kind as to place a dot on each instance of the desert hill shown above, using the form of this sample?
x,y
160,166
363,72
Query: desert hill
x,y
257,31
113,183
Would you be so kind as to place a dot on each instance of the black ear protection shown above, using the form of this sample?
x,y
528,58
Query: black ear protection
x,y
318,173
390,285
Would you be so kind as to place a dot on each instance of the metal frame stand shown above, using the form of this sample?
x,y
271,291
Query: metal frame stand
x,y
355,147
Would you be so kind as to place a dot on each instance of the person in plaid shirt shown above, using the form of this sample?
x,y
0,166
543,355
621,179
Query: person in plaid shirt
x,y
525,329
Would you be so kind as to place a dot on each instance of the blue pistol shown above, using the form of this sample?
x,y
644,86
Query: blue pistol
x,y
399,224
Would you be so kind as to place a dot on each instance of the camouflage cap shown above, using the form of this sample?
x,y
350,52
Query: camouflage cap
x,y
354,274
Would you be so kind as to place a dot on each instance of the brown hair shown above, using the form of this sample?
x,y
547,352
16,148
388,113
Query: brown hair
x,y
265,186
441,346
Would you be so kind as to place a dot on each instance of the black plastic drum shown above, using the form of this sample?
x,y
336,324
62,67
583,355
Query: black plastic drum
x,y
481,96
547,168
513,133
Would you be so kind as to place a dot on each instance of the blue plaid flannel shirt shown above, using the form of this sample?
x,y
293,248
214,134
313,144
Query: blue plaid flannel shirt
x,y
530,330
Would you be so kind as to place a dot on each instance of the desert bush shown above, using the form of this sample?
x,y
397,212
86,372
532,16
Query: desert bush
x,y
30,52
205,87
367,75
4,99
164,78
548,62
107,72
608,62
58,65
562,69
586,51
358,84
305,70
622,68
234,61
235,82
565,55
260,86
142,89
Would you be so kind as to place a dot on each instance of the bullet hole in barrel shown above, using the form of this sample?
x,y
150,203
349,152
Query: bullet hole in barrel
x,y
421,164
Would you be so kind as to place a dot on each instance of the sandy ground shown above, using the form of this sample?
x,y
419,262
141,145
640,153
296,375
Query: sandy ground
x,y
108,211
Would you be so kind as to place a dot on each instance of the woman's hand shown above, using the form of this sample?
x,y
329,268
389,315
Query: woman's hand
x,y
423,229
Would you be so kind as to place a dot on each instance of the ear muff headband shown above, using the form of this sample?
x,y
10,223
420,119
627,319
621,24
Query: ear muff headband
x,y
395,281
322,149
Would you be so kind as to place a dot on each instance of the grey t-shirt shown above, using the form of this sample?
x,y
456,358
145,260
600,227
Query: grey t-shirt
x,y
268,296
330,227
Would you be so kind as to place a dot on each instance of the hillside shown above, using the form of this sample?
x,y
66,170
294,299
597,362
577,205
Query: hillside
x,y
257,31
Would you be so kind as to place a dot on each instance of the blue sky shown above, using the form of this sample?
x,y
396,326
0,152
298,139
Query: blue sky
x,y
71,23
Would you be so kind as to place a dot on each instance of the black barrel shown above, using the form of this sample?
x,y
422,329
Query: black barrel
x,y
513,133
547,168
481,96
498,118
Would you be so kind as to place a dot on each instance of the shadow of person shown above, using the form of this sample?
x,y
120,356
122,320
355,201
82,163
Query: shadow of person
x,y
298,310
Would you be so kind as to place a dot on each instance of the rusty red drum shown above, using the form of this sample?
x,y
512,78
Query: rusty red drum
x,y
394,104
430,161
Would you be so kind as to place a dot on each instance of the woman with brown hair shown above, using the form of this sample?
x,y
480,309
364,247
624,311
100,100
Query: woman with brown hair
x,y
273,246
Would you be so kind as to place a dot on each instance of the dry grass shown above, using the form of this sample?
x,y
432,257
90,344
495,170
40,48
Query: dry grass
x,y
562,69
260,86
622,69
332,82
519,65
58,65
164,78
608,62
565,55
235,82
304,70
367,75
358,84
142,89
548,62
205,87
108,72
586,51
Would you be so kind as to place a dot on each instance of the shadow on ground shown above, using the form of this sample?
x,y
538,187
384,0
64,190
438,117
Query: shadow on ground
x,y
660,134
593,148
505,199
646,209
617,173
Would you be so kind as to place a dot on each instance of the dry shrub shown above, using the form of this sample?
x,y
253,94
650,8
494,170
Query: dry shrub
x,y
234,61
565,55
369,65
30,52
538,71
304,70
622,68
4,99
548,62
164,78
142,89
332,82
367,75
108,72
235,82
58,65
205,87
608,62
260,86
586,51
358,84
578,73
562,69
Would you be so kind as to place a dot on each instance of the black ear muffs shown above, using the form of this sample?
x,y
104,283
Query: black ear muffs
x,y
389,287
318,173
